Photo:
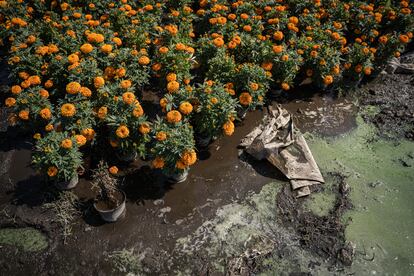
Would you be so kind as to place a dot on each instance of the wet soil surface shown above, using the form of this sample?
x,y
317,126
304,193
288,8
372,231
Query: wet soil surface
x,y
392,95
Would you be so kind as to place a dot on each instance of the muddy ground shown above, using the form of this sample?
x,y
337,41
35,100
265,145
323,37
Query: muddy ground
x,y
233,215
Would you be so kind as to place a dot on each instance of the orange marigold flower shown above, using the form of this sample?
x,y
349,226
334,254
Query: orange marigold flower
x,y
106,48
125,84
383,39
278,35
254,86
49,127
285,86
85,91
117,41
9,102
247,28
24,115
163,102
158,163
173,116
171,77
68,110
113,170
52,171
161,136
98,82
102,112
404,38
66,144
138,111
277,49
144,128
16,89
80,140
186,108
163,50
327,80
128,97
228,128
73,87
173,86
49,84
45,113
144,60
122,132
189,157
34,80
73,58
89,133
245,98
218,42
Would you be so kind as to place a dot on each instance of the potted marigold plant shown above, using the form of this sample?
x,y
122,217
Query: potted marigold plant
x,y
214,112
110,203
173,148
128,126
57,154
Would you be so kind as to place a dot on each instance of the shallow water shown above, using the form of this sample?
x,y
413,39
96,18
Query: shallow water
x,y
381,176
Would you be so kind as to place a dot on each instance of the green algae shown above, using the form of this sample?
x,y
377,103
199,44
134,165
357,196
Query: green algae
x,y
27,239
381,179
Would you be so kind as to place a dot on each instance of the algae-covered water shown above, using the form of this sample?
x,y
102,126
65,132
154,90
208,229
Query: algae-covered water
x,y
381,223
381,175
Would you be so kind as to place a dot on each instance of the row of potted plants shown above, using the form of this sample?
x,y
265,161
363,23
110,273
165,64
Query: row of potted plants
x,y
79,69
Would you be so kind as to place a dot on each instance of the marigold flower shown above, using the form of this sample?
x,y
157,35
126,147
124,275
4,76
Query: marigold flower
x,y
34,80
285,86
125,84
98,82
24,115
171,77
144,128
122,131
144,60
45,113
106,48
117,41
85,91
16,89
102,111
161,136
404,38
9,102
247,28
254,86
49,84
174,116
277,49
128,97
173,86
186,108
163,50
180,47
138,111
66,144
73,58
73,87
218,42
80,140
89,133
228,128
158,163
49,127
52,171
278,35
245,98
189,157
113,170
68,110
327,80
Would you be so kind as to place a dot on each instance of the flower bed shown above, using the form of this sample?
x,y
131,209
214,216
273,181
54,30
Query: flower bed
x,y
79,67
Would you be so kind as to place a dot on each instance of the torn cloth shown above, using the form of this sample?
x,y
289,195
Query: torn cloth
x,y
276,140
